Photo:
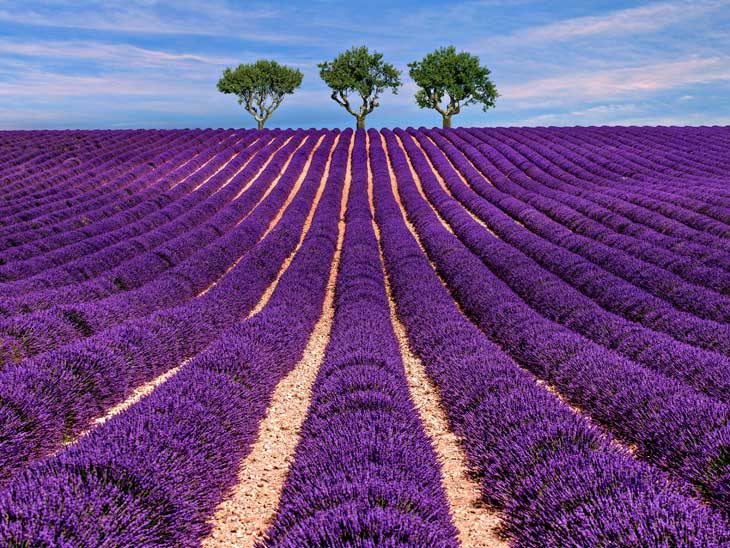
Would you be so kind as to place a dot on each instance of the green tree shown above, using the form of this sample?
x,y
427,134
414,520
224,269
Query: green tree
x,y
457,76
359,72
260,86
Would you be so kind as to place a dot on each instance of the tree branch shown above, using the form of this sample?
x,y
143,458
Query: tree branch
x,y
341,99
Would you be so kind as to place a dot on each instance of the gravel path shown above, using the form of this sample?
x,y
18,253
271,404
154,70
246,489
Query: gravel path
x,y
244,516
477,524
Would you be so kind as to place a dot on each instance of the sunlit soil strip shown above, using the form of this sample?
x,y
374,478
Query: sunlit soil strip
x,y
463,179
138,394
209,160
477,525
221,168
251,158
540,382
445,187
271,187
266,164
243,518
307,224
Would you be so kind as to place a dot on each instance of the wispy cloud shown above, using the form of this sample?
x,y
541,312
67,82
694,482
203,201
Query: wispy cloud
x,y
641,19
596,85
118,54
211,18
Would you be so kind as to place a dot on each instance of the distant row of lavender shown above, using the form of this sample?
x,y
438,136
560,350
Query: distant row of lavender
x,y
567,289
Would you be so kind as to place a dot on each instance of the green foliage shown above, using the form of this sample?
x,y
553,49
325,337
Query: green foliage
x,y
359,72
260,86
456,76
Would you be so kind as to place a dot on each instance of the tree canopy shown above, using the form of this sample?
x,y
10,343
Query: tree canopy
x,y
457,76
260,86
359,72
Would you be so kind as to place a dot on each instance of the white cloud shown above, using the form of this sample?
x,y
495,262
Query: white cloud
x,y
195,18
642,19
607,84
118,54
601,110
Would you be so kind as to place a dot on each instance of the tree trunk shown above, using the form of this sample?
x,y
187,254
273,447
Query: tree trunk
x,y
260,124
360,122
447,122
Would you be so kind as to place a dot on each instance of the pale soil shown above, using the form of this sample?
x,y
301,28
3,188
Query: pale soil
x,y
138,394
446,189
242,519
271,187
477,525
218,170
629,448
147,388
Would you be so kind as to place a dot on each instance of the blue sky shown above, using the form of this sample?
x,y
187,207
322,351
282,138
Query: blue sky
x,y
141,63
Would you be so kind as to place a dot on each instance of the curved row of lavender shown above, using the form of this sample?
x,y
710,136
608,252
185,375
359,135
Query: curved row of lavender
x,y
56,395
554,475
152,489
364,471
671,424
594,261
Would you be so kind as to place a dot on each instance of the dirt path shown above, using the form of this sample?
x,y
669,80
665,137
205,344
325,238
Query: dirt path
x,y
274,182
142,391
244,516
477,525
147,388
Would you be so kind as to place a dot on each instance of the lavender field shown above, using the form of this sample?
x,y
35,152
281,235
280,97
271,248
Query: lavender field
x,y
418,337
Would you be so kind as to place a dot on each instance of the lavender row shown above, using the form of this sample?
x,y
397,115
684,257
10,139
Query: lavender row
x,y
644,163
699,159
364,472
636,207
656,191
522,187
552,186
156,200
93,180
144,257
127,178
669,158
52,150
48,172
29,181
670,424
547,293
66,180
636,162
54,397
124,176
154,474
42,254
557,480
631,220
699,301
620,297
23,157
106,273
28,335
